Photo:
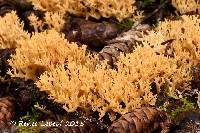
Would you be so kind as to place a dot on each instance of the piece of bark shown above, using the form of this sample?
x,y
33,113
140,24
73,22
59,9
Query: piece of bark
x,y
142,120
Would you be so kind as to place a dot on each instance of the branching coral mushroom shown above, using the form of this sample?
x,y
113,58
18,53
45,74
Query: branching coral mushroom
x,y
50,5
74,78
89,8
43,51
106,90
11,31
179,38
101,90
52,20
145,66
185,6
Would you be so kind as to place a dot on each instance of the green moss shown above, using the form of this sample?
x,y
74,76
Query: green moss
x,y
32,122
29,122
148,2
125,24
29,129
186,106
37,128
175,105
31,116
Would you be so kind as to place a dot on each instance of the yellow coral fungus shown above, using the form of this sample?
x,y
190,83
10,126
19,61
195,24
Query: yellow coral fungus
x,y
185,6
50,5
87,8
51,20
11,31
74,78
147,66
178,38
106,90
43,51
54,20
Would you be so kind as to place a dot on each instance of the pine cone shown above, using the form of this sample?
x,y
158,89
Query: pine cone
x,y
6,114
6,7
88,32
142,120
123,43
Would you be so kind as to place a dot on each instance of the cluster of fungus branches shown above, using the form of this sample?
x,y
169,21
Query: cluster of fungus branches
x,y
129,70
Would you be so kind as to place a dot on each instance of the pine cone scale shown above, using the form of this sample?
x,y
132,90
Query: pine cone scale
x,y
6,113
143,120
